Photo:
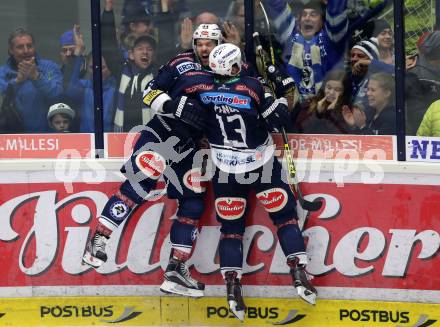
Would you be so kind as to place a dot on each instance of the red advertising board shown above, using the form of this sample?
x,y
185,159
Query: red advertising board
x,y
119,145
354,147
365,236
39,146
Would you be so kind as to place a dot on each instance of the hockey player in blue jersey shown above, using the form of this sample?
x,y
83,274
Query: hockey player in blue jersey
x,y
166,147
243,152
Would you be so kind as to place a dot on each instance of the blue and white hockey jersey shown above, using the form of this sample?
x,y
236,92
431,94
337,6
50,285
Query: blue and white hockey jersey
x,y
237,133
182,75
307,61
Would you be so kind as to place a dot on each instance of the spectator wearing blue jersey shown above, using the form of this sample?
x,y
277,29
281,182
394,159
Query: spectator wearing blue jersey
x,y
67,46
311,47
80,88
67,59
36,82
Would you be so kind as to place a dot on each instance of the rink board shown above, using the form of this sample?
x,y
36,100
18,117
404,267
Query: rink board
x,y
177,311
376,238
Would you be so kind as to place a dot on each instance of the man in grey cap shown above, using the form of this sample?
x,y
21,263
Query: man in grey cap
x,y
423,82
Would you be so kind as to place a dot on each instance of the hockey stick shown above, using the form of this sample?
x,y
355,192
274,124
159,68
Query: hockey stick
x,y
307,205
266,18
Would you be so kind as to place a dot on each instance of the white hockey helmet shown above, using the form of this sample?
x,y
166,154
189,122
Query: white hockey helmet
x,y
223,57
207,31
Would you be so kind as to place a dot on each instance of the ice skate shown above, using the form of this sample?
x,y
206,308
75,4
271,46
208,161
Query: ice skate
x,y
235,295
301,282
179,281
95,254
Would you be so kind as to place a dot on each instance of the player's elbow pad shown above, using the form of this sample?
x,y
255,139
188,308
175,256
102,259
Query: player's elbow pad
x,y
155,99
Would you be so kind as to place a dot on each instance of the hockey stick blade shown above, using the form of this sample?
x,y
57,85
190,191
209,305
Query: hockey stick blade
x,y
308,205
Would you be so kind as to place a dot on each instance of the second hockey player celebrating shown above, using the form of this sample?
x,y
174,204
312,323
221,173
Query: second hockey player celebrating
x,y
242,150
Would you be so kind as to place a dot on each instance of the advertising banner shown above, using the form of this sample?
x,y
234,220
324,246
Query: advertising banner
x,y
39,146
365,237
119,145
423,148
210,311
353,147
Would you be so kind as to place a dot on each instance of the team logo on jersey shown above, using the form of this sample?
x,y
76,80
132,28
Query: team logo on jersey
x,y
194,180
187,66
151,164
234,100
119,210
230,208
273,200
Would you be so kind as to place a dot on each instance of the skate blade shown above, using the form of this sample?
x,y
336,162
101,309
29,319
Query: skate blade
x,y
171,287
92,261
309,297
239,314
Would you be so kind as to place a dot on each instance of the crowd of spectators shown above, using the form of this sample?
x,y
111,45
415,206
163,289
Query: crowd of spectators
x,y
340,57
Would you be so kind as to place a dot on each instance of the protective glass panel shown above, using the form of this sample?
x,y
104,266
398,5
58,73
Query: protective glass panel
x,y
37,40
140,36
341,57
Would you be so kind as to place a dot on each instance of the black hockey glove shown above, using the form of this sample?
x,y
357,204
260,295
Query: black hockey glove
x,y
282,81
276,113
187,110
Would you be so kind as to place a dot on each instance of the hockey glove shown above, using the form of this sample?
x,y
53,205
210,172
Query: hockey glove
x,y
276,113
282,81
187,110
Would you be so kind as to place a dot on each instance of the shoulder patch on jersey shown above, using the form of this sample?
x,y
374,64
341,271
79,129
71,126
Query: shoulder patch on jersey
x,y
230,208
150,96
